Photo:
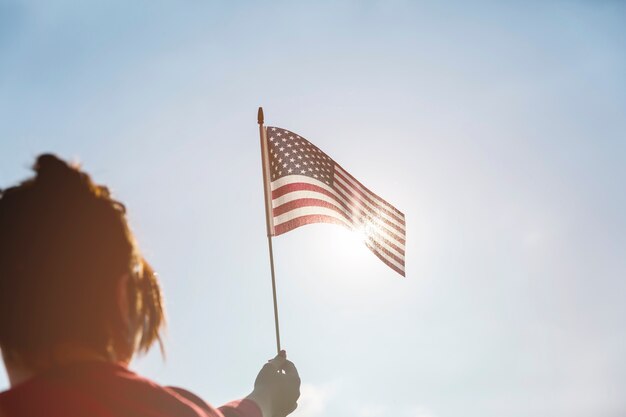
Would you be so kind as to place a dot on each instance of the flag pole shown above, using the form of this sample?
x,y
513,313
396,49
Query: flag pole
x,y
268,216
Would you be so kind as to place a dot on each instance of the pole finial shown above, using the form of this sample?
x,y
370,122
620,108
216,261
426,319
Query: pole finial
x,y
260,116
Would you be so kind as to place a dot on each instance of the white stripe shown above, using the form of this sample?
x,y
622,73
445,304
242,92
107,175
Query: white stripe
x,y
378,238
386,246
291,179
390,260
370,205
296,195
369,193
306,211
381,227
376,217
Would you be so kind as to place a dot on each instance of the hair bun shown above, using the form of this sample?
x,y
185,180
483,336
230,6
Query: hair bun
x,y
53,171
47,163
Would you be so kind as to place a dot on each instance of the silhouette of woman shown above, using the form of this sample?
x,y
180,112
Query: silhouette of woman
x,y
77,301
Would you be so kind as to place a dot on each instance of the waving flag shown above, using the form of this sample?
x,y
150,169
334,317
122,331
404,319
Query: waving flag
x,y
307,186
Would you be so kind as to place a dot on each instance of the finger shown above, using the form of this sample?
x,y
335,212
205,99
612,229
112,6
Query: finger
x,y
277,362
289,367
281,355
269,367
292,408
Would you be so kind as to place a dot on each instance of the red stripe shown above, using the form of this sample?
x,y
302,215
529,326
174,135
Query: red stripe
x,y
362,197
396,213
378,237
313,202
355,219
301,186
386,251
320,218
304,220
357,214
366,197
307,202
382,258
347,194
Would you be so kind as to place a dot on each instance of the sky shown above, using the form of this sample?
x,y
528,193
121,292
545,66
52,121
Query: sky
x,y
498,128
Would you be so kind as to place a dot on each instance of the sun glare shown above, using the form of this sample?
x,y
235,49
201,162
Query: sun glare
x,y
350,244
352,276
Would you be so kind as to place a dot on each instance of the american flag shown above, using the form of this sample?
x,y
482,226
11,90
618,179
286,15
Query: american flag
x,y
307,186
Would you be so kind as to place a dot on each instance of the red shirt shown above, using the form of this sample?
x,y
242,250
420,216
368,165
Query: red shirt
x,y
99,389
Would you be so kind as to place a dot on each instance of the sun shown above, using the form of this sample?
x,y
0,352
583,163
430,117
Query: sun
x,y
349,244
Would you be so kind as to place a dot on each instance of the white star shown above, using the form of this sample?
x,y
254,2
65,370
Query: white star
x,y
303,172
286,153
284,165
289,170
273,129
299,156
310,169
280,159
305,163
315,175
292,160
297,165
281,149
279,134
271,138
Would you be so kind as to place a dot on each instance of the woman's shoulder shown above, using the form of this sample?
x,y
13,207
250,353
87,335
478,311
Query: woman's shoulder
x,y
100,390
193,398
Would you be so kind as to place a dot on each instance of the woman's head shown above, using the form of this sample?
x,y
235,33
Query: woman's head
x,y
70,269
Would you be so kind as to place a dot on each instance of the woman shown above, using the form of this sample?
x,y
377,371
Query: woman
x,y
77,301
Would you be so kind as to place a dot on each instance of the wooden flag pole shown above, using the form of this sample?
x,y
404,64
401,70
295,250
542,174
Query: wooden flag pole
x,y
268,215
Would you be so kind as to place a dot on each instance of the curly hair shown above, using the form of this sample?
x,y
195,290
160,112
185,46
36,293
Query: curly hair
x,y
65,244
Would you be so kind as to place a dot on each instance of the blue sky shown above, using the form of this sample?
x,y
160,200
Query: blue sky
x,y
498,128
